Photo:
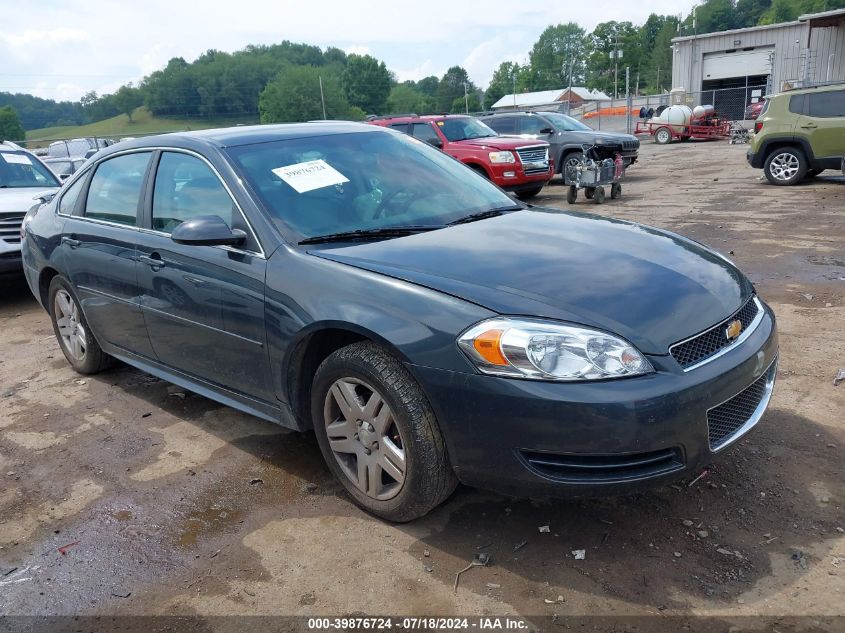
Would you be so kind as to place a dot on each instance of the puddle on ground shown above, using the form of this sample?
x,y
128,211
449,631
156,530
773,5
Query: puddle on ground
x,y
207,522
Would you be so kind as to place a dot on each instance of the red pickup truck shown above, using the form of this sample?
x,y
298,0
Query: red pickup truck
x,y
514,164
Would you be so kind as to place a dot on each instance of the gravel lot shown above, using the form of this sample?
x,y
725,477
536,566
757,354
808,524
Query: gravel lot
x,y
124,495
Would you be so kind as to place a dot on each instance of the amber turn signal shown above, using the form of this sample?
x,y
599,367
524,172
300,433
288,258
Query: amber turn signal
x,y
487,344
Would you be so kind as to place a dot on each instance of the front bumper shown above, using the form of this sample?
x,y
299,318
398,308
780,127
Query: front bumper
x,y
10,262
512,177
500,431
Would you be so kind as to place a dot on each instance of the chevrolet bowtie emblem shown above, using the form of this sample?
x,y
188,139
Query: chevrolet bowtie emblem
x,y
733,330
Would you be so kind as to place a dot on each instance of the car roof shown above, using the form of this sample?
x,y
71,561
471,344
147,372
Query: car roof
x,y
407,118
244,135
827,87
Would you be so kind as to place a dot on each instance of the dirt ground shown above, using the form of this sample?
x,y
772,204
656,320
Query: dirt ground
x,y
123,495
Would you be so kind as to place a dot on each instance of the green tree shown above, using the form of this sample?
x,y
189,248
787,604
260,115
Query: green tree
x,y
451,86
428,86
606,38
366,82
404,98
10,125
716,15
749,12
126,99
460,104
559,50
294,95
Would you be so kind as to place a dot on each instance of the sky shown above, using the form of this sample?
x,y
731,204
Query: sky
x,y
61,49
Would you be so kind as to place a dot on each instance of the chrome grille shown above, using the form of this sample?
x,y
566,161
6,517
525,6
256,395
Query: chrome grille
x,y
10,227
630,144
704,345
534,159
728,419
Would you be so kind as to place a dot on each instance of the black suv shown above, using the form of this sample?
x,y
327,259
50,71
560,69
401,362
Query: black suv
x,y
565,135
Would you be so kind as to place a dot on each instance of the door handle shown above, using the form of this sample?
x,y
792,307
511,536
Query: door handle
x,y
72,243
809,126
155,261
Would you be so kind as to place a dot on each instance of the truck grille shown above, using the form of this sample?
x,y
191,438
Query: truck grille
x,y
630,144
708,343
10,227
740,413
576,467
534,160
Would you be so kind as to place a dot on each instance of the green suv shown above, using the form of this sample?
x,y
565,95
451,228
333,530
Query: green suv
x,y
799,134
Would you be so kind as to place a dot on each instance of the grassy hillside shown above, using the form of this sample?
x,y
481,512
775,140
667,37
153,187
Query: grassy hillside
x,y
143,122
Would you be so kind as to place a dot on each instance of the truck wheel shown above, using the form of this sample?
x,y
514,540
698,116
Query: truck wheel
x,y
572,159
785,166
615,190
572,194
598,196
663,136
378,434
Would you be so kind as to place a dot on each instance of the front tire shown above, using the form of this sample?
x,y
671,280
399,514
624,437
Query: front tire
x,y
378,434
572,159
72,331
785,166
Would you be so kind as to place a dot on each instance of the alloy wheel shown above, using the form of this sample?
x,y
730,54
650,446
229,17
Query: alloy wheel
x,y
71,331
784,166
364,438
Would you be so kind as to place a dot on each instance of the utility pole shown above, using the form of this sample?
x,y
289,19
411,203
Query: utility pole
x,y
466,98
658,80
616,64
322,98
513,76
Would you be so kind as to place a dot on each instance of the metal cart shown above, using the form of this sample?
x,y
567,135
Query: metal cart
x,y
593,175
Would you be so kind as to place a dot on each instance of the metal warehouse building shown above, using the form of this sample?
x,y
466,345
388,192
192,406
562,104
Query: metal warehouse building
x,y
732,69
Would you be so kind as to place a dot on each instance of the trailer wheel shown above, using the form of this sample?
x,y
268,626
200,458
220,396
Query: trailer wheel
x,y
572,194
589,192
598,196
663,136
615,190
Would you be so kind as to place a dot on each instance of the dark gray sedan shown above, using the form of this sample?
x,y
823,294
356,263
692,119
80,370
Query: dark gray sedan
x,y
349,279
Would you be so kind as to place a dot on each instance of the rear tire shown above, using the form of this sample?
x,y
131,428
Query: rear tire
x,y
785,166
589,192
386,448
663,136
598,196
72,331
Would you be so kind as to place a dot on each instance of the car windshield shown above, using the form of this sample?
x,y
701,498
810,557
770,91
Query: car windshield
x,y
18,170
566,123
362,181
463,128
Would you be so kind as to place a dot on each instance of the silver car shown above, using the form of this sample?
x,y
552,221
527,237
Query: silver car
x,y
24,179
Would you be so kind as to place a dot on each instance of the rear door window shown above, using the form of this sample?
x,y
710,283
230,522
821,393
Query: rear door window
x,y
400,127
424,132
503,124
826,104
116,189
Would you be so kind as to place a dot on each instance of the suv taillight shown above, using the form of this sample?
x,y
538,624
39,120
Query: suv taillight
x,y
758,125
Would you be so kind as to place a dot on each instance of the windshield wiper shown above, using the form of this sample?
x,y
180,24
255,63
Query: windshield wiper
x,y
365,234
482,215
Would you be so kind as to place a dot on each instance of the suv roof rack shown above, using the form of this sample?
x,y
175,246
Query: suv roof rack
x,y
374,117
817,84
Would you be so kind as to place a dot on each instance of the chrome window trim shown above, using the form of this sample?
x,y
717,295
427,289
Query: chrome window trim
x,y
739,340
181,150
752,421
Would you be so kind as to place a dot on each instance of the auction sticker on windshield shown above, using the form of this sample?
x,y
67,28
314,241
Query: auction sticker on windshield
x,y
16,159
315,174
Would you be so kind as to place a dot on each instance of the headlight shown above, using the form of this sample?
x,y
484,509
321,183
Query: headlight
x,y
502,157
545,350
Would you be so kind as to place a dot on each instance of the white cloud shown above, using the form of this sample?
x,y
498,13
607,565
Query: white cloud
x,y
358,49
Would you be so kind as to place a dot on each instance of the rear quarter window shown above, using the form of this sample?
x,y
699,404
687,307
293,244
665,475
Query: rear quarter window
x,y
796,104
826,104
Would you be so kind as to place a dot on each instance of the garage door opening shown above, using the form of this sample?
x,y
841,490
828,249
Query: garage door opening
x,y
729,96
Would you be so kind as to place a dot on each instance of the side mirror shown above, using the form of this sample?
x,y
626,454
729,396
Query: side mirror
x,y
435,142
547,130
207,230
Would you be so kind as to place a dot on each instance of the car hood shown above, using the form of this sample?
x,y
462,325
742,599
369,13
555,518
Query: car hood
x,y
501,142
21,199
650,286
598,137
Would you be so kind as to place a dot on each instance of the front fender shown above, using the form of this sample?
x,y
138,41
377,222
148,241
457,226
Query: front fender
x,y
306,294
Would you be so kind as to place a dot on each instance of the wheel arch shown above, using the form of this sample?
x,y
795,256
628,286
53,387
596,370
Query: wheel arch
x,y
312,347
45,278
770,145
479,167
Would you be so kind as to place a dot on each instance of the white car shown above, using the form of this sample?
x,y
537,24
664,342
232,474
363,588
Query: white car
x,y
24,180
